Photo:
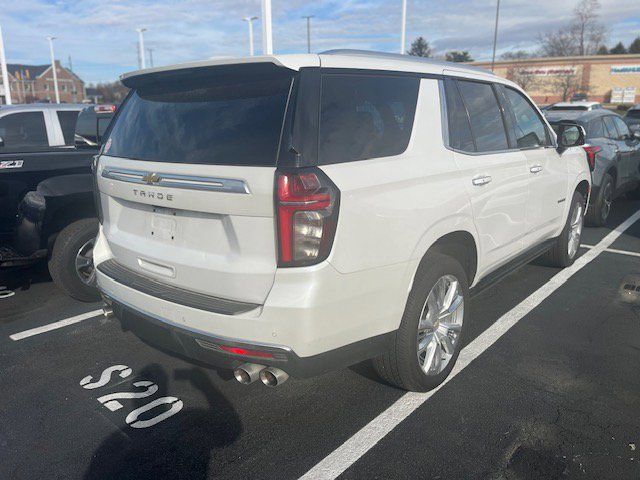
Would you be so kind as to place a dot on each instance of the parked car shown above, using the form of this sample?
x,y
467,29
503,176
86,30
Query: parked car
x,y
579,97
289,215
614,157
573,106
46,191
632,118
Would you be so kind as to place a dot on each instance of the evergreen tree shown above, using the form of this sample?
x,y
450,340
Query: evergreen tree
x,y
618,49
457,56
634,47
420,48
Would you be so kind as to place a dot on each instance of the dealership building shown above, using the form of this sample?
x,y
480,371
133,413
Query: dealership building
x,y
603,78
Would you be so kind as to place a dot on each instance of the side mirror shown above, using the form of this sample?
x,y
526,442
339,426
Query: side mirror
x,y
570,135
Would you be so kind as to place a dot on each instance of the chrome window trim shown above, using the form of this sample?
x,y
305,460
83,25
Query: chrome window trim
x,y
173,180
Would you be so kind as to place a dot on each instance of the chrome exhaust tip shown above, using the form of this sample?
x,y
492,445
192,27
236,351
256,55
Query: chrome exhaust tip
x,y
248,373
272,377
107,311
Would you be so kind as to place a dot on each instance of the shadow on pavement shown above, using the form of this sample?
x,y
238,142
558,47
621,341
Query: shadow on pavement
x,y
179,447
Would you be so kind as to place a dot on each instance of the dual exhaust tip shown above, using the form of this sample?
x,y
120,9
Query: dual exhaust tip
x,y
250,372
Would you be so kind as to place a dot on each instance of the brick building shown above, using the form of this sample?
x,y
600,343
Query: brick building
x,y
34,83
603,78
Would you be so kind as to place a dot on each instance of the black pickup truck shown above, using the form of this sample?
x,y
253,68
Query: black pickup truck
x,y
47,209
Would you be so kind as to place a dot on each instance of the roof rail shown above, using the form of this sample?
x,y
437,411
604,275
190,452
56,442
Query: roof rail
x,y
403,57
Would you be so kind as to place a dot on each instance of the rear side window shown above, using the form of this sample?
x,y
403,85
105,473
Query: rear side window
x,y
68,124
460,136
595,129
610,127
363,116
215,120
529,129
23,130
487,125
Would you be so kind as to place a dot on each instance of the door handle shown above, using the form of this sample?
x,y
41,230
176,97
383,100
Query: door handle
x,y
483,180
535,168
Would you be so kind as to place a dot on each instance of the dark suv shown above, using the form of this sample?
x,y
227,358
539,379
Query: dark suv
x,y
613,153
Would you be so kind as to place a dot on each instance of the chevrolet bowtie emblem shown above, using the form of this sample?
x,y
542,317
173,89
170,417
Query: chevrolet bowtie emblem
x,y
151,178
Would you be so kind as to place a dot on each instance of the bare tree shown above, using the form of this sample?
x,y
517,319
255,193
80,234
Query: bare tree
x,y
566,84
522,76
561,43
516,55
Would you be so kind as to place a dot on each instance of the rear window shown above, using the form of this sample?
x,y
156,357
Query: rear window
x,y
225,120
633,113
365,116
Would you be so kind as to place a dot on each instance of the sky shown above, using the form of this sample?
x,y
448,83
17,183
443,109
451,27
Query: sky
x,y
100,37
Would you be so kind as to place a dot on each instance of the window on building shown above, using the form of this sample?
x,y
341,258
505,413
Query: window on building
x,y
68,124
460,136
23,131
46,87
529,128
487,125
365,116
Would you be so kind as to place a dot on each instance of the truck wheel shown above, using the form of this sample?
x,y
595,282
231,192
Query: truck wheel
x,y
71,263
565,250
429,339
597,215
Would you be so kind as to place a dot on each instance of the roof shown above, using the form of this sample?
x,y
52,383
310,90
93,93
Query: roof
x,y
31,107
577,60
577,115
360,59
581,103
34,70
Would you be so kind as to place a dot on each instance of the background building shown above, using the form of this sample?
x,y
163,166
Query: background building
x,y
34,83
603,78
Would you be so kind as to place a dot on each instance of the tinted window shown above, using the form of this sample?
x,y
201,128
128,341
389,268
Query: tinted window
x,y
486,120
216,120
23,130
68,125
569,107
623,130
595,129
365,116
610,127
460,136
530,131
633,114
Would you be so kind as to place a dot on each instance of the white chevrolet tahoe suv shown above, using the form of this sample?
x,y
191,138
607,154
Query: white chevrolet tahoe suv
x,y
292,214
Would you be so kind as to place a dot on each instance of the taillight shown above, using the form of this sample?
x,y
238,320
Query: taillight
x,y
591,150
307,209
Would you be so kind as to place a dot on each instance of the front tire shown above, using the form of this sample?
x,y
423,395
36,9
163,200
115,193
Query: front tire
x,y
565,250
71,263
429,339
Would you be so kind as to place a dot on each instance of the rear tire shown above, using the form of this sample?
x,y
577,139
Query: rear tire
x,y
565,250
598,215
404,365
69,267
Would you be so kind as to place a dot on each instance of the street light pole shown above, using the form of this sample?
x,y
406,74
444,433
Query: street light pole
x,y
150,50
53,67
267,35
141,46
308,17
250,20
403,36
5,73
495,36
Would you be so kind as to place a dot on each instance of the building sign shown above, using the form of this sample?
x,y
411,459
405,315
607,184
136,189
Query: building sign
x,y
623,95
548,71
624,69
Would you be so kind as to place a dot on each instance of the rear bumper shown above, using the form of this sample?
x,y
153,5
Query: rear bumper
x,y
206,349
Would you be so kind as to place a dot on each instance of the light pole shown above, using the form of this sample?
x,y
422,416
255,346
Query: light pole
x,y
150,50
53,67
267,35
495,36
5,73
403,36
308,17
141,46
250,20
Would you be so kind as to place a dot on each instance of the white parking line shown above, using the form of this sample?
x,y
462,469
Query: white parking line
x,y
615,250
55,325
355,447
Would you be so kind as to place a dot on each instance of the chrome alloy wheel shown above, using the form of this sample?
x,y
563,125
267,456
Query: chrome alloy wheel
x,y
440,325
607,199
575,230
84,263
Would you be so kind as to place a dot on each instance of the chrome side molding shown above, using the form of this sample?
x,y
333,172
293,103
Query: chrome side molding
x,y
173,180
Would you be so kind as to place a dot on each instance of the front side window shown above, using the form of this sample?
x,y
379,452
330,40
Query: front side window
x,y
68,124
530,131
623,130
487,125
595,129
365,116
23,131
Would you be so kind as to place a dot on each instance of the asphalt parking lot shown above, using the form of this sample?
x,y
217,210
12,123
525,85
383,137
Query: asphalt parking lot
x,y
547,387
